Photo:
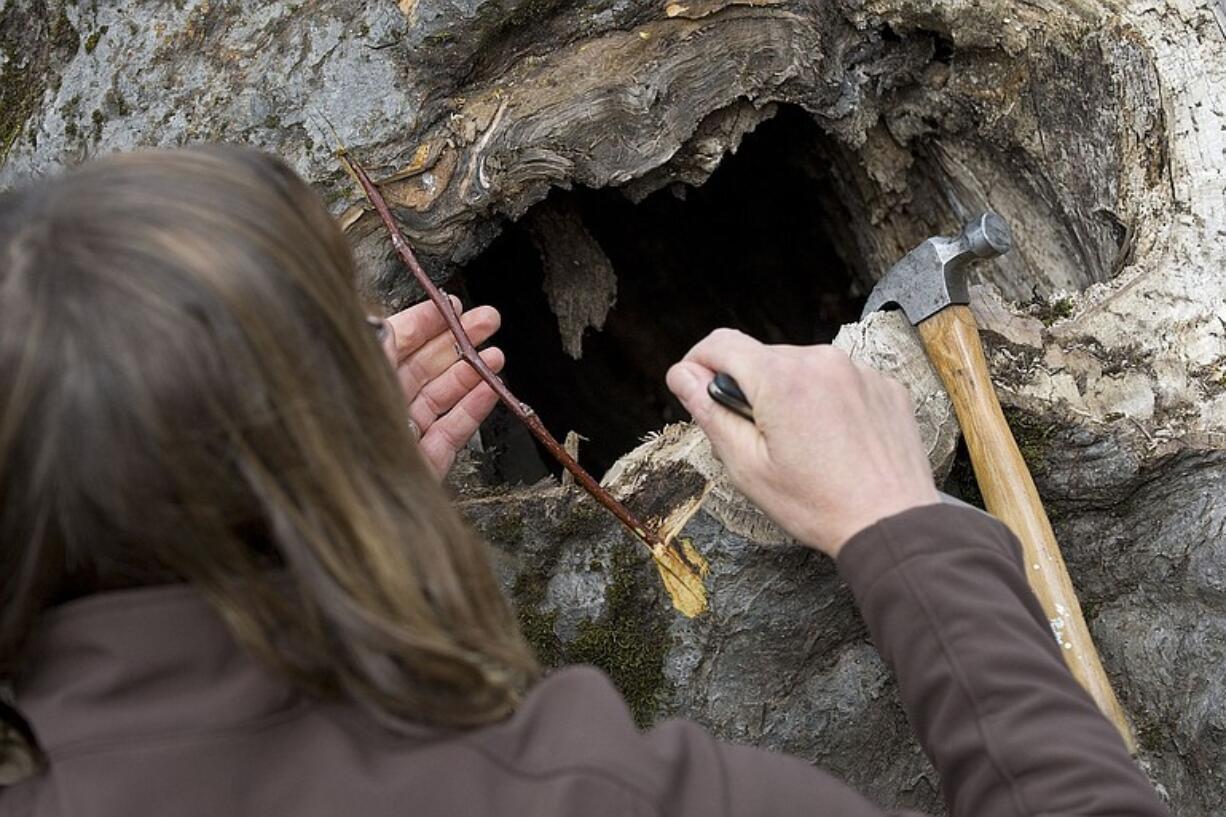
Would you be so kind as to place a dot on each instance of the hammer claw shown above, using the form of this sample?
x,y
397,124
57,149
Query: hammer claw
x,y
933,275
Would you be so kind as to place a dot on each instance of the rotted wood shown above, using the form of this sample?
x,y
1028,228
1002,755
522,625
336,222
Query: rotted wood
x,y
579,279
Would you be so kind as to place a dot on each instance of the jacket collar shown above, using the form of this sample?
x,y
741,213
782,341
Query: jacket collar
x,y
137,664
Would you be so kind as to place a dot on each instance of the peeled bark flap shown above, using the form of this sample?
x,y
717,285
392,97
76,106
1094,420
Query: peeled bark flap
x,y
579,278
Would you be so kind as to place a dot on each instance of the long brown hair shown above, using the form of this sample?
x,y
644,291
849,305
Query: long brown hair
x,y
189,392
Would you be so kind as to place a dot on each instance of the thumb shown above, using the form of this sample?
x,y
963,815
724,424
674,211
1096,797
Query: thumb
x,y
728,432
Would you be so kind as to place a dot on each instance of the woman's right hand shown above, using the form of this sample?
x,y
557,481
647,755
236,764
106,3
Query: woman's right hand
x,y
833,448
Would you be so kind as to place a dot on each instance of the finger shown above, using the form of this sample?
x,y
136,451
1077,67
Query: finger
x,y
439,353
440,395
385,335
412,328
733,436
452,431
731,351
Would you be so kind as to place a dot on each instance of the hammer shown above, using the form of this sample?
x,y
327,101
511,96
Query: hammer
x,y
929,285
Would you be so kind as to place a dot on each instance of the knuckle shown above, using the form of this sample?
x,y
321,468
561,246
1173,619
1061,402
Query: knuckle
x,y
431,402
829,362
774,364
454,434
724,334
413,375
407,340
831,357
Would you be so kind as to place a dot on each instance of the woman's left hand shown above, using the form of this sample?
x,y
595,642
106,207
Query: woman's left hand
x,y
446,397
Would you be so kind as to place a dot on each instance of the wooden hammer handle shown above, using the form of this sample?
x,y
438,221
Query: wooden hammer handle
x,y
951,338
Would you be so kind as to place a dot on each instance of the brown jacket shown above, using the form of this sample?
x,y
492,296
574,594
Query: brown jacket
x,y
147,707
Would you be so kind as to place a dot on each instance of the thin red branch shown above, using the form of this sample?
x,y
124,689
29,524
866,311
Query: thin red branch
x,y
469,354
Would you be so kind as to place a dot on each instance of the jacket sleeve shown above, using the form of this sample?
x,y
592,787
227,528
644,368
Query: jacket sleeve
x,y
944,594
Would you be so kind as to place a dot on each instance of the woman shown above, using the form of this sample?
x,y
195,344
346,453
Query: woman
x,y
232,585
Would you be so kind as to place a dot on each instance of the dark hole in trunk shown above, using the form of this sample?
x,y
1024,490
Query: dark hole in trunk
x,y
751,249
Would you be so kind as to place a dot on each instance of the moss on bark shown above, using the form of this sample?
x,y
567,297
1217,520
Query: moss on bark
x,y
30,56
630,639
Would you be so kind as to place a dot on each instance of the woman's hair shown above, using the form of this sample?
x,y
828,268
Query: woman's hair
x,y
189,392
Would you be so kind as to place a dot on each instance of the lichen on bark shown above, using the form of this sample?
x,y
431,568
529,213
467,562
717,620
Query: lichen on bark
x,y
34,42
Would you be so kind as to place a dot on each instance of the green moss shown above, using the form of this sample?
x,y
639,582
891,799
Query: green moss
x,y
1117,360
91,42
272,121
527,595
98,120
583,518
64,38
25,75
1151,737
438,38
628,642
1051,311
116,101
70,107
505,529
1033,436
1128,358
1090,605
70,112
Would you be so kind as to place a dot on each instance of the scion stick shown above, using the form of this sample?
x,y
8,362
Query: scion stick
x,y
521,410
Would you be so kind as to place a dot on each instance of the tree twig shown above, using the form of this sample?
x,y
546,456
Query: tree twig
x,y
666,557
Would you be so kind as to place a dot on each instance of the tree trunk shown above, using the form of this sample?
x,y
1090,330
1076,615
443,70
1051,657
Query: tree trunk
x,y
757,163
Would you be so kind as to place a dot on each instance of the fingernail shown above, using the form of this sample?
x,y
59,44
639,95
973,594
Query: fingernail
x,y
379,325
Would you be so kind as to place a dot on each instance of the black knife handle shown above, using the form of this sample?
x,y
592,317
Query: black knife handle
x,y
725,391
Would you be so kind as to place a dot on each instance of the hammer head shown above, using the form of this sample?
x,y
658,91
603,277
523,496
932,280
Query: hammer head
x,y
933,275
